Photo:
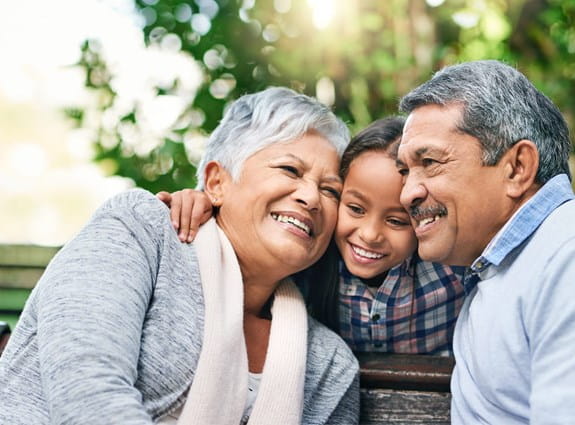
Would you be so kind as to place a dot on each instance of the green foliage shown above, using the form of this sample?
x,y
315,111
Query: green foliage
x,y
369,55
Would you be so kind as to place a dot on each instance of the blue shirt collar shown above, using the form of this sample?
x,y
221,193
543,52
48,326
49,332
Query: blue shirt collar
x,y
525,221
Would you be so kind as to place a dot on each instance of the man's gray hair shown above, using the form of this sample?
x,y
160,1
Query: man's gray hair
x,y
274,115
500,107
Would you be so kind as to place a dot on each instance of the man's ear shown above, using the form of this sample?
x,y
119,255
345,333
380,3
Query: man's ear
x,y
216,178
521,164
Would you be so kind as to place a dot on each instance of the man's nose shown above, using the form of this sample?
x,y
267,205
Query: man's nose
x,y
413,192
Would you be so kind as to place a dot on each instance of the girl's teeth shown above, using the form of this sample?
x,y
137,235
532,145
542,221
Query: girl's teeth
x,y
367,254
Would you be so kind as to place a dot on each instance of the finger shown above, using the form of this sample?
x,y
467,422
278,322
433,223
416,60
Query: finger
x,y
188,201
165,197
175,209
200,214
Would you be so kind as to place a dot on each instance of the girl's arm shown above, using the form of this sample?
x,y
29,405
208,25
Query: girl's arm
x,y
189,209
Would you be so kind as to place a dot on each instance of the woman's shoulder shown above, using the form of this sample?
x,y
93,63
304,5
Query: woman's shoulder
x,y
133,199
324,345
138,204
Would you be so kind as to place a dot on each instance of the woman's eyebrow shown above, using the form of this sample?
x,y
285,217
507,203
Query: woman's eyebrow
x,y
334,178
288,156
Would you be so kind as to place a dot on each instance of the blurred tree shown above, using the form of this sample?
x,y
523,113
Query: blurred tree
x,y
358,56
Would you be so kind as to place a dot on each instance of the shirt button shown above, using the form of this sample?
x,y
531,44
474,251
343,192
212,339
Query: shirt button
x,y
375,317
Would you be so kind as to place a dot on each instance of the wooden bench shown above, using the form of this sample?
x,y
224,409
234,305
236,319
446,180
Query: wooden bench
x,y
395,389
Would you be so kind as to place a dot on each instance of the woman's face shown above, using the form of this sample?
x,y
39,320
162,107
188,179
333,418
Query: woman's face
x,y
281,213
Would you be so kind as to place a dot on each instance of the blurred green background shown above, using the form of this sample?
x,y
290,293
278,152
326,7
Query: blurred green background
x,y
358,56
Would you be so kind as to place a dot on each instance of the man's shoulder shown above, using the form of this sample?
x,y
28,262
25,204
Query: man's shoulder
x,y
552,239
558,226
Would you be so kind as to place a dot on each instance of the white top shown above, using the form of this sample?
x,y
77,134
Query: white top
x,y
254,380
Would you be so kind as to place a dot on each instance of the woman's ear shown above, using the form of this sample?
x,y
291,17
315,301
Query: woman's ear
x,y
216,178
521,165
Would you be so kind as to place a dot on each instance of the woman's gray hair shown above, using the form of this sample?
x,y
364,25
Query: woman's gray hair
x,y
500,107
274,115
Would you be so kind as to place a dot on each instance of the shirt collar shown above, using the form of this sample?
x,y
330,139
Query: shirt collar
x,y
525,221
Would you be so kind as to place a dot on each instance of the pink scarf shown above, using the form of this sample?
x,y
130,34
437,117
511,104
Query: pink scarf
x,y
219,389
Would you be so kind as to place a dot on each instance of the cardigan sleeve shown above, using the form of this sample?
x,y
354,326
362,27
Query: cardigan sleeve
x,y
92,303
347,411
332,379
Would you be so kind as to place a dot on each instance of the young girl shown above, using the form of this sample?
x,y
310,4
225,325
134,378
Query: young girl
x,y
370,286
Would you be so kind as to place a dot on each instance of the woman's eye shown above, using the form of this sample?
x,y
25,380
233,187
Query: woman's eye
x,y
290,169
332,192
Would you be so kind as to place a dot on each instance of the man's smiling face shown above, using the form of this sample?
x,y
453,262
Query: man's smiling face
x,y
453,199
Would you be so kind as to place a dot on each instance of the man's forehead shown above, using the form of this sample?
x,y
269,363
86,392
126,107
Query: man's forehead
x,y
428,127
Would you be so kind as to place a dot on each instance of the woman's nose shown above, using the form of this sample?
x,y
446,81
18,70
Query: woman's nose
x,y
308,194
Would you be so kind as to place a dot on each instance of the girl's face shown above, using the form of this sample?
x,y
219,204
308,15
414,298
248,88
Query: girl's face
x,y
373,232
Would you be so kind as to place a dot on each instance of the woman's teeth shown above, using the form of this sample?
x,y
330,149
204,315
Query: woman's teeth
x,y
292,220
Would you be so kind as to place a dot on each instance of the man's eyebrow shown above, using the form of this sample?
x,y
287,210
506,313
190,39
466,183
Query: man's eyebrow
x,y
399,163
421,151
433,150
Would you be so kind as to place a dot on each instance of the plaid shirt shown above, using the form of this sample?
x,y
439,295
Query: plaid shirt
x,y
413,311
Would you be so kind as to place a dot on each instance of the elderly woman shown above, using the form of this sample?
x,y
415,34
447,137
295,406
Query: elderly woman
x,y
130,326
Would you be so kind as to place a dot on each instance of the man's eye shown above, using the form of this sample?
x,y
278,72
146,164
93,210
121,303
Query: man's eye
x,y
426,162
403,171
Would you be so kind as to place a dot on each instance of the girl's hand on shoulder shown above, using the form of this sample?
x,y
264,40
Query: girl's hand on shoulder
x,y
189,209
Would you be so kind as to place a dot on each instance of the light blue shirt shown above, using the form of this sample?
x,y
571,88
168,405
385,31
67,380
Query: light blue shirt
x,y
514,340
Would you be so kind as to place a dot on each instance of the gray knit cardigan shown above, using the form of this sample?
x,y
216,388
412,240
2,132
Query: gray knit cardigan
x,y
113,330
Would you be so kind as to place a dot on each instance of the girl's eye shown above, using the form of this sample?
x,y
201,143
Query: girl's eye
x,y
355,209
398,222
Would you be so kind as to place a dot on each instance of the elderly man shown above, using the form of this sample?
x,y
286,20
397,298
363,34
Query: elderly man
x,y
484,157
